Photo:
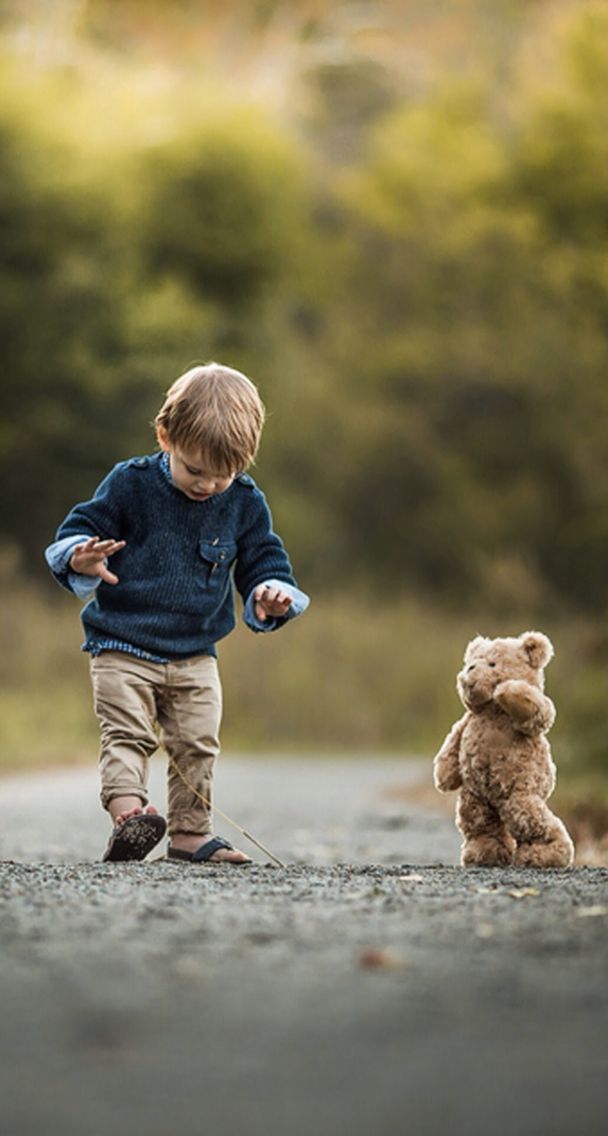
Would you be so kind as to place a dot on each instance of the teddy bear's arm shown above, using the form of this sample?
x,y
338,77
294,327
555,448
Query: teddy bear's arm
x,y
530,711
446,766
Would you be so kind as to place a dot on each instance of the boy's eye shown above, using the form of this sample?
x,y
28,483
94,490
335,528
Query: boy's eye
x,y
206,473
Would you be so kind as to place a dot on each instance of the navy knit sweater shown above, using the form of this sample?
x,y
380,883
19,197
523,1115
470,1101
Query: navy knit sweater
x,y
174,598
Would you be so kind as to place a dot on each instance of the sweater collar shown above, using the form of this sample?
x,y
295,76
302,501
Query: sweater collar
x,y
164,465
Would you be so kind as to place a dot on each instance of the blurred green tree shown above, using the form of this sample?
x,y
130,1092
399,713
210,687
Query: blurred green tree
x,y
223,207
61,328
427,320
475,357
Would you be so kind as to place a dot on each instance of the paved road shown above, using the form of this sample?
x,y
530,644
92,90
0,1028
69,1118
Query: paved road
x,y
368,988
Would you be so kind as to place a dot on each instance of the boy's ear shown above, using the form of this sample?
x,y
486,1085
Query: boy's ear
x,y
163,438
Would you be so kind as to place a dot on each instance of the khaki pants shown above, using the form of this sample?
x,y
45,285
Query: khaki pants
x,y
183,700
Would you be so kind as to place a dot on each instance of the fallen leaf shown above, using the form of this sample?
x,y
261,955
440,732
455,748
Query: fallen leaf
x,y
379,958
412,879
592,912
521,893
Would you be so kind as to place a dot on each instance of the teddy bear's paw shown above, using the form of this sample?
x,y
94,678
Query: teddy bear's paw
x,y
556,853
486,852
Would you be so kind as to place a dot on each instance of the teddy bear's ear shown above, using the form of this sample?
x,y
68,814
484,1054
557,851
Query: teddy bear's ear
x,y
538,648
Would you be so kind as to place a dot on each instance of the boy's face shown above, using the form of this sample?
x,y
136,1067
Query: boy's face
x,y
190,472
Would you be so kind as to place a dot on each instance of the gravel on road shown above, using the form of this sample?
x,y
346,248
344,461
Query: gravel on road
x,y
370,987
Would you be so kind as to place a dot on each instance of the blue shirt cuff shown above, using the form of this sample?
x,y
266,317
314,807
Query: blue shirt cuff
x,y
58,556
299,603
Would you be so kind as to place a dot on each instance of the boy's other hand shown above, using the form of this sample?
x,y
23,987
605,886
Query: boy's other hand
x,y
88,559
268,601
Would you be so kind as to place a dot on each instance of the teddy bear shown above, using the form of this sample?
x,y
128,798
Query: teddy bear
x,y
497,755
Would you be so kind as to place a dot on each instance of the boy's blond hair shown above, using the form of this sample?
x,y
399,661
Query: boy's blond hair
x,y
216,411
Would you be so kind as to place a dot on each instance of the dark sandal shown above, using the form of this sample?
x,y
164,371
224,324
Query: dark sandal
x,y
205,852
135,837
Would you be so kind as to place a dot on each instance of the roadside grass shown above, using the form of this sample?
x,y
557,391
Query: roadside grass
x,y
351,677
343,678
582,803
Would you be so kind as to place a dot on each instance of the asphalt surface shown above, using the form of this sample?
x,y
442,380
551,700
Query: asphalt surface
x,y
369,987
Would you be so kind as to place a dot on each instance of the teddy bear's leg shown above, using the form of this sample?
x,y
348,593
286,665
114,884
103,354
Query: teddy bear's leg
x,y
542,839
487,842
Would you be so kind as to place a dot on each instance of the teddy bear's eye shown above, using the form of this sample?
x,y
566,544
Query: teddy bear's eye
x,y
491,664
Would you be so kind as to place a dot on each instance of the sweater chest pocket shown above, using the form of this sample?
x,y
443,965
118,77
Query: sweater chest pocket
x,y
217,557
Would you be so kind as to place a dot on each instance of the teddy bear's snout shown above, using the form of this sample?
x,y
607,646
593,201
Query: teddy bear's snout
x,y
473,685
466,681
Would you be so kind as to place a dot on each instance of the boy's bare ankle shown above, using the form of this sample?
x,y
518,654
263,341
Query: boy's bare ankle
x,y
189,841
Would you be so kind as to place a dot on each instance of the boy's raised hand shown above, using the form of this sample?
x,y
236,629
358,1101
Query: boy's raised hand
x,y
88,559
270,601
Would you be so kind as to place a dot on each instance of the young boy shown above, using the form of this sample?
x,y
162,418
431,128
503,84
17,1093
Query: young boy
x,y
173,525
